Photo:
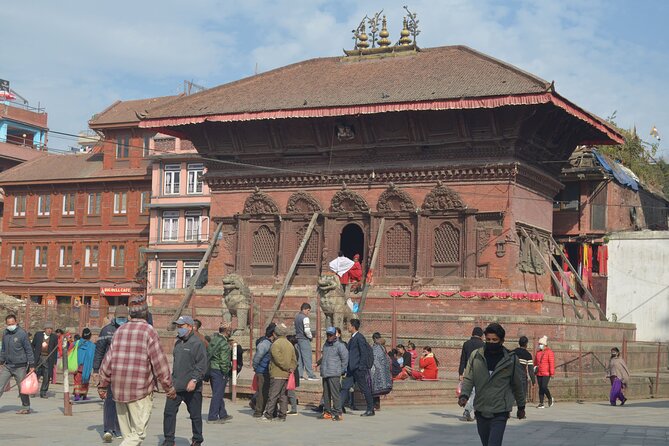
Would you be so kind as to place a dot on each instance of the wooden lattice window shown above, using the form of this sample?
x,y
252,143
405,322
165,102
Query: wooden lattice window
x,y
446,244
263,246
310,253
398,245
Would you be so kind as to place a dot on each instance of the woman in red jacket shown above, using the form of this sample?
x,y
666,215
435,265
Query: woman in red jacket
x,y
429,365
545,368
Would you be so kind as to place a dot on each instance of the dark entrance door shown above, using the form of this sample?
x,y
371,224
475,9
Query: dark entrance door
x,y
352,241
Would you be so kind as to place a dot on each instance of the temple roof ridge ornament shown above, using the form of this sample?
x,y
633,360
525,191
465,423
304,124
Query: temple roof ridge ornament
x,y
259,203
442,198
393,199
365,46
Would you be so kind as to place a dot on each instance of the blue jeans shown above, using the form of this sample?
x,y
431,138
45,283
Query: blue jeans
x,y
304,367
109,417
218,382
491,430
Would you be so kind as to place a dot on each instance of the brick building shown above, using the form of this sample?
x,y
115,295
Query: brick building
x,y
75,223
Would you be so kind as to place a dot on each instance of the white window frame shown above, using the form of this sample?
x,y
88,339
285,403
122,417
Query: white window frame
x,y
195,183
17,257
116,252
94,206
120,203
44,205
39,253
190,268
19,206
172,181
63,258
170,226
168,274
91,256
69,201
193,218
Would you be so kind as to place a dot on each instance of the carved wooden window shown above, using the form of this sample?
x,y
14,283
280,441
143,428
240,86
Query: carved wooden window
x,y
446,244
310,253
263,246
398,245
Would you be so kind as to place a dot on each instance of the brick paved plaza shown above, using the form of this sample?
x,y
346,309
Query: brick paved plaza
x,y
642,423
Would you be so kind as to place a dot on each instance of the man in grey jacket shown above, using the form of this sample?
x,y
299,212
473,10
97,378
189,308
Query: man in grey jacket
x,y
16,357
334,362
188,369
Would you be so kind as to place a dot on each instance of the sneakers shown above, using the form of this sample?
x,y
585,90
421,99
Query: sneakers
x,y
107,437
311,378
622,403
325,416
466,416
257,415
117,434
541,406
291,412
265,418
551,401
337,418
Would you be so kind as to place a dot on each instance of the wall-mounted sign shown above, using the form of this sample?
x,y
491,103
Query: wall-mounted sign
x,y
115,291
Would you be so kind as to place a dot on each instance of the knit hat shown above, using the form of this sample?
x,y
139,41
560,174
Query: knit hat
x,y
225,325
281,329
121,311
543,340
137,304
48,324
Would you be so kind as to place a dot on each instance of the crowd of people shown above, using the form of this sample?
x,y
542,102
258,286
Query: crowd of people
x,y
129,359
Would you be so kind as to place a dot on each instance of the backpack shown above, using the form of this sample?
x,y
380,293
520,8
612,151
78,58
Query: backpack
x,y
240,358
367,354
73,358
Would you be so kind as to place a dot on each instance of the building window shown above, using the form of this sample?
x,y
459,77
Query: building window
x,y
568,198
44,205
170,226
41,256
117,256
17,257
144,200
65,258
195,172
193,225
68,204
172,179
94,203
91,256
122,147
146,146
120,202
190,268
20,206
168,274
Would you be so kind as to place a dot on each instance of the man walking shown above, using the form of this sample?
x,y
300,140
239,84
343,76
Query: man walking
x,y
188,368
45,347
16,356
495,372
334,362
283,362
360,360
220,366
261,369
133,364
304,337
110,424
526,364
469,346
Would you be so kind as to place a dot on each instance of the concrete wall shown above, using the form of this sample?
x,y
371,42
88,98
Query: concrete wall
x,y
638,289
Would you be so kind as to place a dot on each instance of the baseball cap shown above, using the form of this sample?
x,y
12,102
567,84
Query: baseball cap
x,y
330,330
185,320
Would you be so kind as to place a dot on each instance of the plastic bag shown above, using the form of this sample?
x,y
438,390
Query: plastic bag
x,y
291,382
458,390
29,384
72,358
254,384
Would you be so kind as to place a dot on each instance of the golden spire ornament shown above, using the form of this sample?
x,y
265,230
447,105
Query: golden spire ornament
x,y
362,39
384,41
404,34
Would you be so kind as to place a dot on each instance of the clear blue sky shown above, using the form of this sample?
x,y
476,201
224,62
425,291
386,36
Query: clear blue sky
x,y
77,57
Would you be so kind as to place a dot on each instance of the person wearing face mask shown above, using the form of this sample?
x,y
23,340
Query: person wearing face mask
x,y
16,357
545,368
496,374
619,375
188,369
111,427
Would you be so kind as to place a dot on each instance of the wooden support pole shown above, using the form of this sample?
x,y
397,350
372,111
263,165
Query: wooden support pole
x,y
372,266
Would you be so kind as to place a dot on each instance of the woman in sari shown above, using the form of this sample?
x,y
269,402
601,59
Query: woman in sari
x,y
85,353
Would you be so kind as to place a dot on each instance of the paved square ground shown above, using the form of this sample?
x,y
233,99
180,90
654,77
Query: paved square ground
x,y
638,423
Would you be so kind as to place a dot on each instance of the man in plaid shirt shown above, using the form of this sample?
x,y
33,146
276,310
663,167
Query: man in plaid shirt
x,y
134,364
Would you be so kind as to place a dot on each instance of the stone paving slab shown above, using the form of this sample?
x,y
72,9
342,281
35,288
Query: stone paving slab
x,y
638,423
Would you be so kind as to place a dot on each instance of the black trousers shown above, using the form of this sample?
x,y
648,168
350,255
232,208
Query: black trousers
x,y
193,402
543,388
360,378
262,394
491,430
45,371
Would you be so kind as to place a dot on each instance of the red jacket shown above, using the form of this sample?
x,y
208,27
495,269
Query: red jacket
x,y
429,366
545,362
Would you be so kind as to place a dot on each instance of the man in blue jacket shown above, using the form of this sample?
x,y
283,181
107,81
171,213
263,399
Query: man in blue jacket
x,y
16,357
360,360
261,368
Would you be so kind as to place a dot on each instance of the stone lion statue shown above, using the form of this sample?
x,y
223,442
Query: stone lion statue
x,y
236,300
333,300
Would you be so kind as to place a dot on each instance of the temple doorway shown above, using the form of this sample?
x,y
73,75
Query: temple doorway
x,y
352,241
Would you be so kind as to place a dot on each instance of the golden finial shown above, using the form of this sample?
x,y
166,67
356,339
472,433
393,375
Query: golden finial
x,y
405,33
362,39
384,41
